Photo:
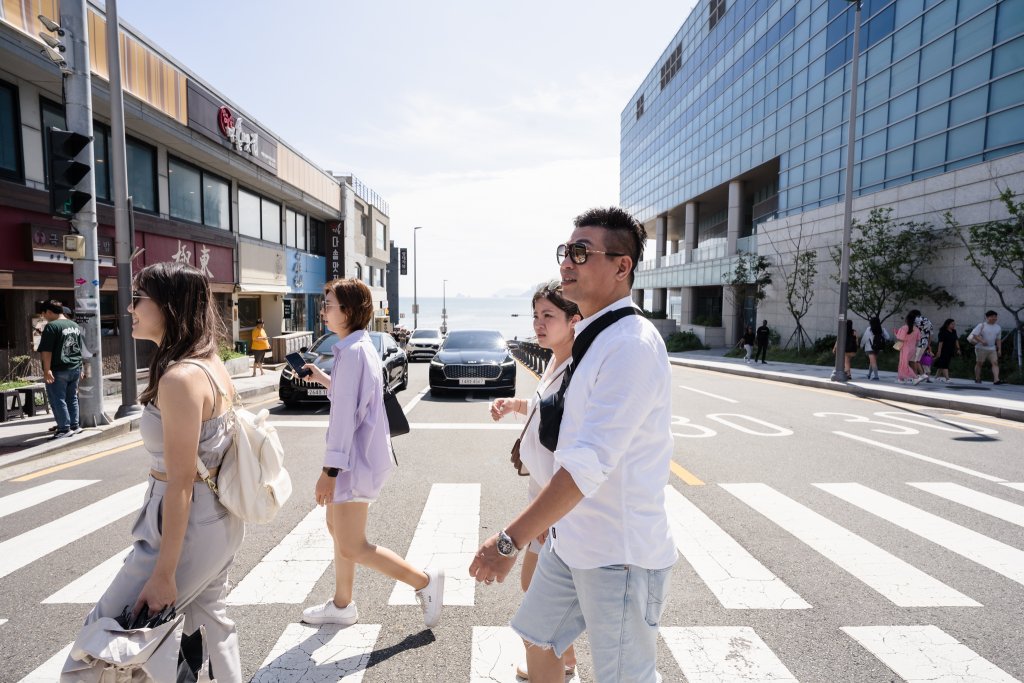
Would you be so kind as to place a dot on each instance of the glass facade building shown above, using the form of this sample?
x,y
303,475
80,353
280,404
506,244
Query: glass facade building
x,y
757,92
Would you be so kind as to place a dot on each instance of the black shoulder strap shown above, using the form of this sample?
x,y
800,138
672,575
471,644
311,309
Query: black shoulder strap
x,y
587,337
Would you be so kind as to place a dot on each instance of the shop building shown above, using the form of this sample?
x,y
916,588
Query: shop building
x,y
735,143
210,186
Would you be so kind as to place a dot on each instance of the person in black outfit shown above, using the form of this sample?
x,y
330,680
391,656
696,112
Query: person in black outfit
x,y
949,344
762,342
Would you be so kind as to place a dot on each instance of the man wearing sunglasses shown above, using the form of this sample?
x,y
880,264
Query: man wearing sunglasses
x,y
609,550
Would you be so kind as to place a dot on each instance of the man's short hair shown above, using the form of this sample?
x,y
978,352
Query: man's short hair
x,y
53,306
625,233
989,314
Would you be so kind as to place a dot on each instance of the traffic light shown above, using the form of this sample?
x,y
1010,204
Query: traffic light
x,y
66,172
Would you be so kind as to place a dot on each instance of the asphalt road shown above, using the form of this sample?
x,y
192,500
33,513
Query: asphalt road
x,y
824,537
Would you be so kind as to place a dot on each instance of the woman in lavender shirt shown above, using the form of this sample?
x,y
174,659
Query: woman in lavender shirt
x,y
358,460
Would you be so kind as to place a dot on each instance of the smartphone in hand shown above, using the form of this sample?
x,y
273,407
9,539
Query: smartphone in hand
x,y
297,362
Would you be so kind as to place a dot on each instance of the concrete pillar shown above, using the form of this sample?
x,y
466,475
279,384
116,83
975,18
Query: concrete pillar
x,y
638,297
690,226
672,234
735,215
660,240
730,317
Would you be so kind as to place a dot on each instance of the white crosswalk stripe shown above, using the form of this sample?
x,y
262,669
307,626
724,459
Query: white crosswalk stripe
x,y
313,654
987,552
49,671
497,650
291,569
447,535
897,580
1014,485
737,579
724,654
28,547
89,587
16,502
982,502
926,654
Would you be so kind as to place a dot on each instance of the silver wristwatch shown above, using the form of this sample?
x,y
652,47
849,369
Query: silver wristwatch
x,y
506,547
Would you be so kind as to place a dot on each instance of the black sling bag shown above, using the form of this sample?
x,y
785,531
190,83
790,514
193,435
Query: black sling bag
x,y
552,407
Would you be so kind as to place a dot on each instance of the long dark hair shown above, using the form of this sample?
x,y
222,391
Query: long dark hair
x,y
876,328
911,317
192,326
945,325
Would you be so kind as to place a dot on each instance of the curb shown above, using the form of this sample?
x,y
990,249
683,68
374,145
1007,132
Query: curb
x,y
96,435
947,402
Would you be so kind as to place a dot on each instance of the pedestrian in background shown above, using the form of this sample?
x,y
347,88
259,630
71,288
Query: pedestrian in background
x,y
184,539
907,337
949,345
850,349
874,340
924,347
608,556
554,319
988,345
260,346
60,351
747,341
358,460
763,334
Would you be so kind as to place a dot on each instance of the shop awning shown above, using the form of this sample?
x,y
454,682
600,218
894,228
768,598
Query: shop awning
x,y
264,289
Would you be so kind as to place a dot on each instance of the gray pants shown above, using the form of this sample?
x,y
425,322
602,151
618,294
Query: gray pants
x,y
211,540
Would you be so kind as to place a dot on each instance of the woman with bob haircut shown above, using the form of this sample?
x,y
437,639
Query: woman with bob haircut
x,y
554,323
358,460
184,539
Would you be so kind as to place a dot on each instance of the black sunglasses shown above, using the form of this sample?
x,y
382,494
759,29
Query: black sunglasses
x,y
136,296
579,252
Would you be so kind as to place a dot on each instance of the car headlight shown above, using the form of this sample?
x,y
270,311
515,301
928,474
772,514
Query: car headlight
x,y
506,363
436,364
287,373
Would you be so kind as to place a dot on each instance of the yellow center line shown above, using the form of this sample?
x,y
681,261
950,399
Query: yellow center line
x,y
684,474
73,463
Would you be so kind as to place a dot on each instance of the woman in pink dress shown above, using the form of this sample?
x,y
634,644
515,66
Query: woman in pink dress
x,y
908,334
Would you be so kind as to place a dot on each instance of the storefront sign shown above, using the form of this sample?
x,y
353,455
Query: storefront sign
x,y
403,261
305,271
48,246
209,115
287,313
213,261
335,250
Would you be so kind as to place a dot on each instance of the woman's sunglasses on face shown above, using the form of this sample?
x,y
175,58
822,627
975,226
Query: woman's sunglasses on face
x,y
136,296
579,252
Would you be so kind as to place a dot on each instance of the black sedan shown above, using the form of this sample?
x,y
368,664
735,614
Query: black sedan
x,y
293,390
473,360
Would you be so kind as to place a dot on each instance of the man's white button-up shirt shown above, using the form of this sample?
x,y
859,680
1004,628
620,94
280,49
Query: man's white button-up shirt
x,y
616,442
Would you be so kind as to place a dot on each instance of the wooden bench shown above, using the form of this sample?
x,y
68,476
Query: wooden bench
x,y
11,405
29,404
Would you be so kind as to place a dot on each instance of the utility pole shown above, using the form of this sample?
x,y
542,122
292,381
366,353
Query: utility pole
x,y
123,238
78,110
415,276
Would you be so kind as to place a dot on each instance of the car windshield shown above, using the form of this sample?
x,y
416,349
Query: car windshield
x,y
426,334
378,340
324,344
480,339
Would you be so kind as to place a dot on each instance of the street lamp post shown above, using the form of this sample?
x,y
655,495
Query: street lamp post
x,y
444,307
415,274
839,373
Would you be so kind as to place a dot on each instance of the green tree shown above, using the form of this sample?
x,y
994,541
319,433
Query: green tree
x,y
751,276
996,250
886,260
798,275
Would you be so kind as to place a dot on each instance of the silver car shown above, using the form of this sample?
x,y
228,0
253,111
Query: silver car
x,y
423,343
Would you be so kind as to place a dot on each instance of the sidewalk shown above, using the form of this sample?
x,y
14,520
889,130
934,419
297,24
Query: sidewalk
x,y
1005,401
28,438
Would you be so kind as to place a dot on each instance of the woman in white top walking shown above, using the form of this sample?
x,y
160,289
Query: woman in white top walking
x,y
554,319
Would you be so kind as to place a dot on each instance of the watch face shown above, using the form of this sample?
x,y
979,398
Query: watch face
x,y
505,546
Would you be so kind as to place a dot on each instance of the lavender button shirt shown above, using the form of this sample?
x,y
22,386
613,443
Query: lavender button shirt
x,y
358,440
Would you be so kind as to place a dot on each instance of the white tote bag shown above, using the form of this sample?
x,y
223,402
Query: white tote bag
x,y
105,652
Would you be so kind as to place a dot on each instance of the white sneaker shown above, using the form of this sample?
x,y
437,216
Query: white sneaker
x,y
917,380
329,613
431,597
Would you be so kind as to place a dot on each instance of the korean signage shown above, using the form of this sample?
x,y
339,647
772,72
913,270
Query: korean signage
x,y
403,261
215,262
287,313
305,271
48,246
229,127
335,250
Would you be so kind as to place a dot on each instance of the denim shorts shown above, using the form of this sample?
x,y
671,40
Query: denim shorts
x,y
619,606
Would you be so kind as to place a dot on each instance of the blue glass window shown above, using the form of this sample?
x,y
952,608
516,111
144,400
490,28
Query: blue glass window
x,y
1007,57
876,90
967,140
975,36
1005,128
832,138
903,74
837,55
937,57
830,161
872,171
811,191
881,25
930,152
830,186
933,120
903,106
900,162
873,145
901,133
934,91
968,8
907,10
969,106
814,124
1007,91
1011,20
971,74
10,133
907,39
938,20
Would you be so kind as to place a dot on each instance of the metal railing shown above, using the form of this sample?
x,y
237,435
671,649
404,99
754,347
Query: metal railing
x,y
532,355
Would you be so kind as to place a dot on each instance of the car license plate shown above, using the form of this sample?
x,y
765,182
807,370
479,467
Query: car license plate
x,y
471,380
316,392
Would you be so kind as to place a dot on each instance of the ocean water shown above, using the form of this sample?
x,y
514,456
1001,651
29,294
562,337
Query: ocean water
x,y
512,316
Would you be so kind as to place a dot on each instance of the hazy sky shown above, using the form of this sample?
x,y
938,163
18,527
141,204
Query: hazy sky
x,y
491,125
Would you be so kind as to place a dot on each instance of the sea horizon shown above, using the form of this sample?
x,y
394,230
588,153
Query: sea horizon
x,y
509,315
